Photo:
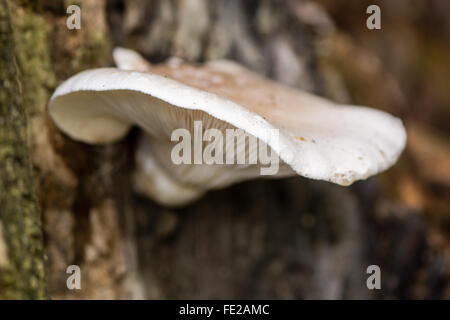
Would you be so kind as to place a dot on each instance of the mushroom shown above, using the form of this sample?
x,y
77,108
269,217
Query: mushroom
x,y
315,138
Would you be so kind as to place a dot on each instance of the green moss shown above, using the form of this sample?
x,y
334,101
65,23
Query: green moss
x,y
32,41
22,275
34,53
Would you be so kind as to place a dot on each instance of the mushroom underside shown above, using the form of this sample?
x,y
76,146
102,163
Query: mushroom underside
x,y
101,117
315,138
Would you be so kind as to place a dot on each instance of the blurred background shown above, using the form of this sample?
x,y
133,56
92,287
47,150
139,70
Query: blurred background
x,y
283,239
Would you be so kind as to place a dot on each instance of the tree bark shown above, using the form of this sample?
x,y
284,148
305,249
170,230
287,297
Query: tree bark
x,y
290,238
22,267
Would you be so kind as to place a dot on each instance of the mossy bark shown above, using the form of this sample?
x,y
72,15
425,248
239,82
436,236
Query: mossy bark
x,y
22,267
79,204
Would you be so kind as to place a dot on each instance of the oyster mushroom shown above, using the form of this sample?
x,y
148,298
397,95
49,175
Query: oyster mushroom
x,y
315,137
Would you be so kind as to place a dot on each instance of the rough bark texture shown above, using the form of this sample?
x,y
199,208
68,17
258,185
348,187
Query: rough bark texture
x,y
22,269
291,238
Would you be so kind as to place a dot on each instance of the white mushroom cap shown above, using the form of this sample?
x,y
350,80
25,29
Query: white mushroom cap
x,y
318,139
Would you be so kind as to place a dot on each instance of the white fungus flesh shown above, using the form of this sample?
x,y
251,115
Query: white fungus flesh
x,y
318,139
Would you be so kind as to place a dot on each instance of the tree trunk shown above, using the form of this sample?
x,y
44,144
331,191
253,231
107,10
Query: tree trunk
x,y
22,268
290,238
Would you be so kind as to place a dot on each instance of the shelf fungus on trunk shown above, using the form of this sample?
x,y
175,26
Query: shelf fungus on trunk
x,y
223,109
